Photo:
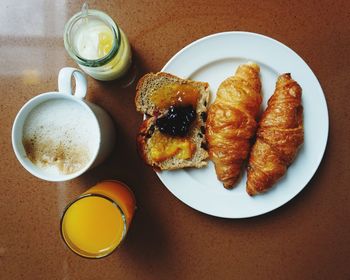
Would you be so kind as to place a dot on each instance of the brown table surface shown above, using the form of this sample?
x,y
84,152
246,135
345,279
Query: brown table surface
x,y
308,238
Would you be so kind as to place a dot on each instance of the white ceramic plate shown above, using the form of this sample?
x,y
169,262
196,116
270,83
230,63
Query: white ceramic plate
x,y
214,58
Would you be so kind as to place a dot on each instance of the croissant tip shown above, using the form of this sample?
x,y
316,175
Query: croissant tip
x,y
228,186
286,76
250,192
230,182
253,65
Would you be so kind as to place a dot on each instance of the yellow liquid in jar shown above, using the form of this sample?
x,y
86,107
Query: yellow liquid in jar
x,y
120,64
105,43
95,41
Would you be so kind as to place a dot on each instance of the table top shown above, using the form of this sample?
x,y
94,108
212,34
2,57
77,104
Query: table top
x,y
308,238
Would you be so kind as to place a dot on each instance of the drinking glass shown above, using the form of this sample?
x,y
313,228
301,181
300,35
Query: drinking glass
x,y
97,222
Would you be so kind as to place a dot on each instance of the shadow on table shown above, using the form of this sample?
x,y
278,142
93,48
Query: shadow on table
x,y
146,240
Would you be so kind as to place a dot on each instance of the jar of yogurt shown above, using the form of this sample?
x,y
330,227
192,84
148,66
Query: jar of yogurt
x,y
97,44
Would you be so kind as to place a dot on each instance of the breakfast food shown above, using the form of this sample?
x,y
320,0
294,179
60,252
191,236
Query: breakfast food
x,y
232,122
279,136
173,134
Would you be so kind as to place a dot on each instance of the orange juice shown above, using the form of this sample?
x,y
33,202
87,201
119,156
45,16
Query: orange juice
x,y
97,222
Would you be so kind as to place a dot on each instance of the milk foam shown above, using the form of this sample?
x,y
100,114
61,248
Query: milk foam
x,y
60,136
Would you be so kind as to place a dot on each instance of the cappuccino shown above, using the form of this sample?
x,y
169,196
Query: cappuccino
x,y
59,136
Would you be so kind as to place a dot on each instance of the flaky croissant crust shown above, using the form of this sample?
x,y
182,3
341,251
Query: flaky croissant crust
x,y
279,136
232,122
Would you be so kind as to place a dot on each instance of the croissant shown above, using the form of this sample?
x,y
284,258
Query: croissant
x,y
231,122
279,136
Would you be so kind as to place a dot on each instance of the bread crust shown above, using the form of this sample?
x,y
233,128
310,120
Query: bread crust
x,y
146,85
141,140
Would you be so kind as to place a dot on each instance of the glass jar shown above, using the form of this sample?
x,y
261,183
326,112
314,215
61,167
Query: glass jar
x,y
97,45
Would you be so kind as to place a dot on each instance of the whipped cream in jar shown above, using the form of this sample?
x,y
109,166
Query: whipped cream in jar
x,y
97,44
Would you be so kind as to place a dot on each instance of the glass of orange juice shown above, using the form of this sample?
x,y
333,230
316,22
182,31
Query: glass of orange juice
x,y
94,224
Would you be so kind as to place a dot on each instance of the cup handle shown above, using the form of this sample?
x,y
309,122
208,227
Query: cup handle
x,y
65,82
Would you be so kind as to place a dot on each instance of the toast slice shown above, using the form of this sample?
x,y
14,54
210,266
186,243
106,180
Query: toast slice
x,y
161,96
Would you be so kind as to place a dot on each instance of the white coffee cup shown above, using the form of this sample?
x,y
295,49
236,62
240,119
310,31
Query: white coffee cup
x,y
97,121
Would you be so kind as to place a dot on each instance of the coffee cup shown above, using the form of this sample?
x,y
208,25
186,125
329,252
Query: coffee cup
x,y
57,136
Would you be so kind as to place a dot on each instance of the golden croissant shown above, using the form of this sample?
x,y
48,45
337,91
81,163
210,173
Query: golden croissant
x,y
231,122
279,136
